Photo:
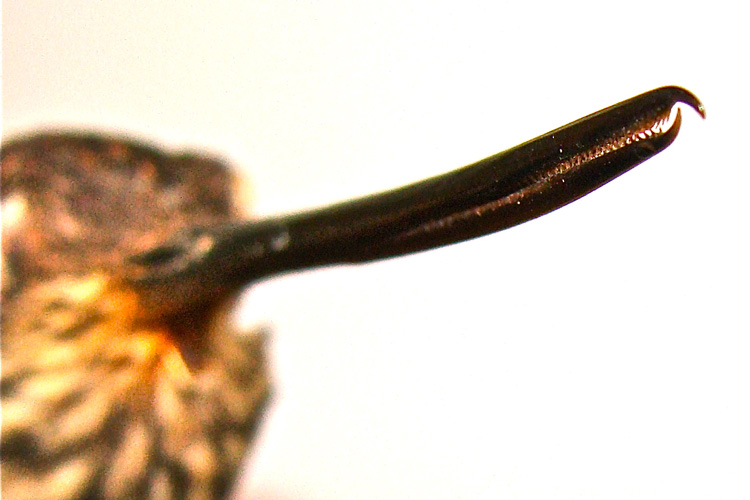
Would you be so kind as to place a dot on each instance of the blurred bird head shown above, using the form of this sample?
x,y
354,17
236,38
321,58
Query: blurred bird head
x,y
105,394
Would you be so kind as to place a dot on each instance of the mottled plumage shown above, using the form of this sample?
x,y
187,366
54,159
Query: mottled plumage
x,y
98,400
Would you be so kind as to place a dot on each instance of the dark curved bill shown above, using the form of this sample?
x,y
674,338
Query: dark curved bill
x,y
496,193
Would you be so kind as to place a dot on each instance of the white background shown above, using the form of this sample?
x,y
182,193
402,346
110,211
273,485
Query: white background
x,y
599,352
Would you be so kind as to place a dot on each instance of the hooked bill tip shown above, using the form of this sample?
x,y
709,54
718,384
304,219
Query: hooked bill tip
x,y
679,94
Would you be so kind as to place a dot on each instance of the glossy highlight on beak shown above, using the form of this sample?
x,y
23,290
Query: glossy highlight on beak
x,y
493,194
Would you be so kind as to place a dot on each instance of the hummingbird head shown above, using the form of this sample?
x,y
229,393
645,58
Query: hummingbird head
x,y
105,393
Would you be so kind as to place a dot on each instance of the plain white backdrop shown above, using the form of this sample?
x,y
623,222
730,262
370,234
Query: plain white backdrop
x,y
598,352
